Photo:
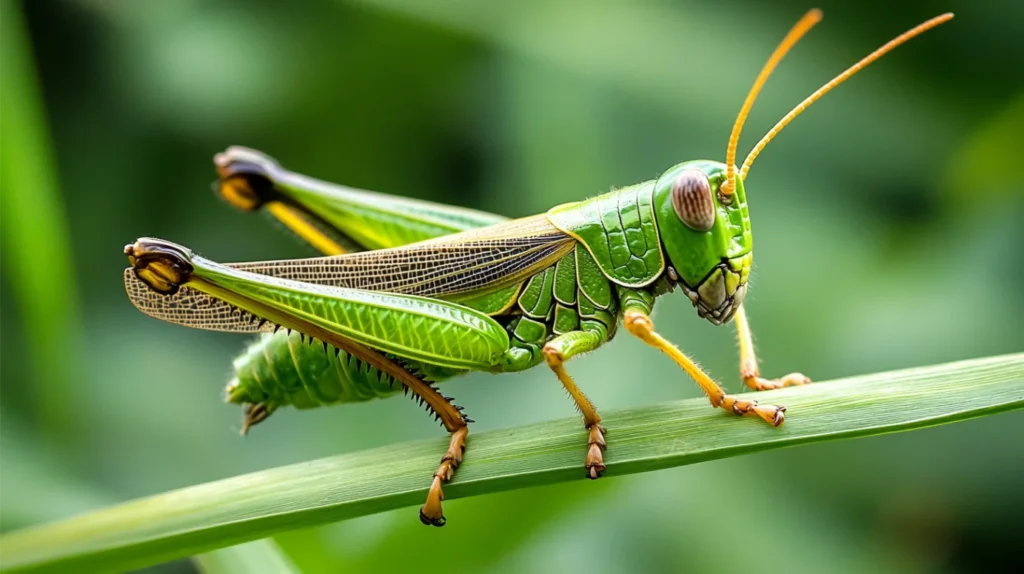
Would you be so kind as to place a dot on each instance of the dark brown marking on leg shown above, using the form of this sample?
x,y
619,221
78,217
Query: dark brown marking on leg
x,y
595,451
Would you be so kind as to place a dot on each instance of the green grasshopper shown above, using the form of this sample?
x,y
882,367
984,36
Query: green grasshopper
x,y
443,291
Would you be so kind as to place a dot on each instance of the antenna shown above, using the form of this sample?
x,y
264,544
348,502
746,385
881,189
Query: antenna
x,y
808,21
887,47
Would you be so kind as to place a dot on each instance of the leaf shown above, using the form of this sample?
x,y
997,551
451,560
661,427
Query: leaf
x,y
38,488
248,507
257,557
36,245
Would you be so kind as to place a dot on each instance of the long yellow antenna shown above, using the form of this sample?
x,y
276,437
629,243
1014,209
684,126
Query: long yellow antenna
x,y
811,18
915,31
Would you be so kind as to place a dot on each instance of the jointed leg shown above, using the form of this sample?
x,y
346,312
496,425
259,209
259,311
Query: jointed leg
x,y
557,352
748,360
450,416
639,324
431,513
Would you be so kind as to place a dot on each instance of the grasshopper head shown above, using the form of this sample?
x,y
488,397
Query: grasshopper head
x,y
706,236
701,207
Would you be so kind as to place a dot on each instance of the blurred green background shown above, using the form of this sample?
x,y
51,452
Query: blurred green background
x,y
889,222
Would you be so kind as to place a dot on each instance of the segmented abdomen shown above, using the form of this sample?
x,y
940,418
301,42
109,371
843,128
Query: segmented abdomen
x,y
285,370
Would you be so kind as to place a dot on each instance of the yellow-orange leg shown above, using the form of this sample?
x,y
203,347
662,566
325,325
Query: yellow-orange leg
x,y
640,325
748,360
431,513
559,350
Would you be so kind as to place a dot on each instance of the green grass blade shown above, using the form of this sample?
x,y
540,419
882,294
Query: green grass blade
x,y
38,489
253,506
257,557
36,246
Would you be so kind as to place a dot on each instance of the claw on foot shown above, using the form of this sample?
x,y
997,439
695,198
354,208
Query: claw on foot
x,y
431,513
595,452
771,414
432,521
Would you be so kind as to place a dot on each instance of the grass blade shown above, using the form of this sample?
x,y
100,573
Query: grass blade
x,y
257,557
36,246
248,507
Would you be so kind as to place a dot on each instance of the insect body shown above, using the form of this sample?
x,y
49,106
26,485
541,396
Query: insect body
x,y
309,380
500,298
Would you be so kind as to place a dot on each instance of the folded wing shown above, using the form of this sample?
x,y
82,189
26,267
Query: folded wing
x,y
474,261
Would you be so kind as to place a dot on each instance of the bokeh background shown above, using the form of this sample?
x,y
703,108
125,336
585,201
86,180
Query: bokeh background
x,y
889,222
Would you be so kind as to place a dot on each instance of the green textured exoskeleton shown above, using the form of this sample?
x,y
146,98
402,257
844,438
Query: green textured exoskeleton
x,y
279,369
444,291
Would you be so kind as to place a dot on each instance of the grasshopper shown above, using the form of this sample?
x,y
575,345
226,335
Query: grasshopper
x,y
442,291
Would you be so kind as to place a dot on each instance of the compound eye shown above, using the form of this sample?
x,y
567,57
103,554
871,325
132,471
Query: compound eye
x,y
691,199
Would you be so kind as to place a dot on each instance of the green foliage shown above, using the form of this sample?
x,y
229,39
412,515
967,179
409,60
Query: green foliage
x,y
35,238
887,235
256,557
247,507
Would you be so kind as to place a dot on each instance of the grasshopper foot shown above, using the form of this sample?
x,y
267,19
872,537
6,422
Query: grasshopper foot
x,y
595,452
431,512
761,384
770,414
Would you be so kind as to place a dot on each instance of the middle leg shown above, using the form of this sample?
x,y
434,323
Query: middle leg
x,y
559,350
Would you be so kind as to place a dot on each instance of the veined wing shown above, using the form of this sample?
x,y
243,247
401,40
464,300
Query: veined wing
x,y
473,261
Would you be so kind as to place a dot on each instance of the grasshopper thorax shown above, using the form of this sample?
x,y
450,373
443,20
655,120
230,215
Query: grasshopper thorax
x,y
706,236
